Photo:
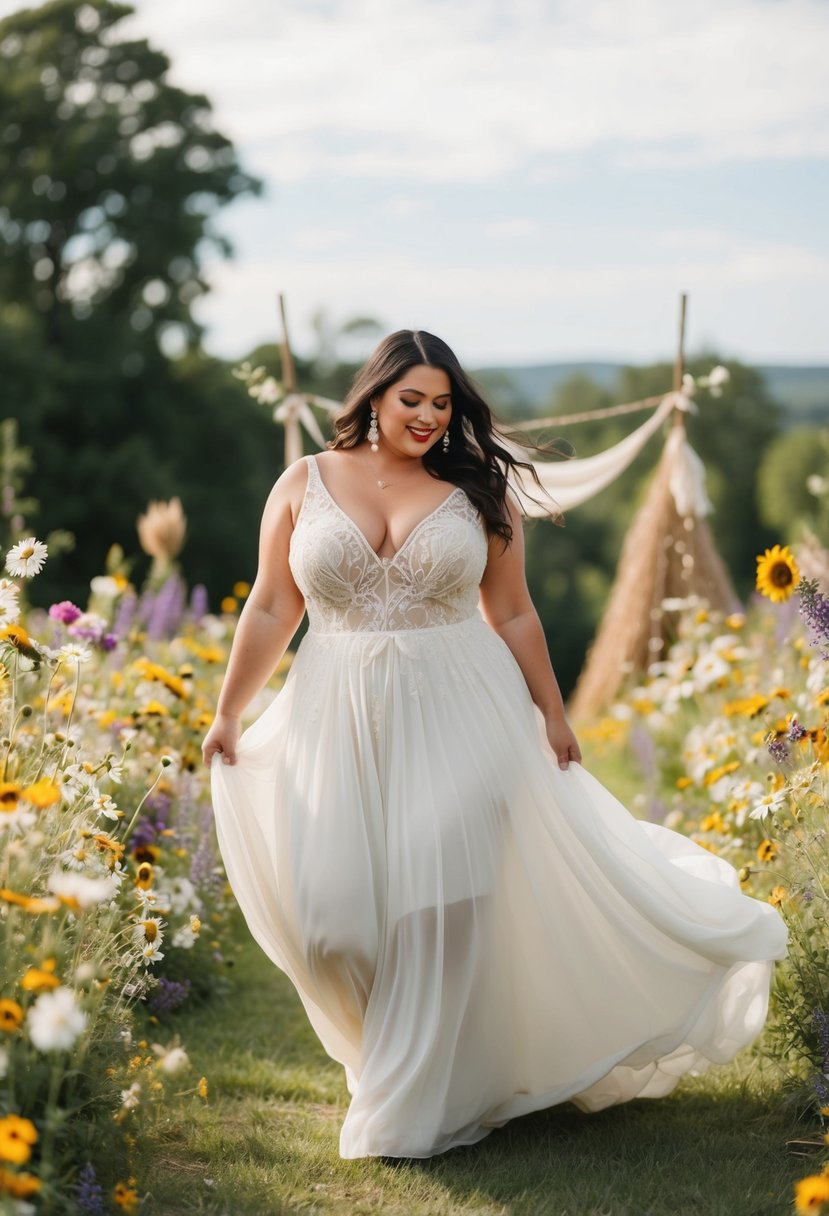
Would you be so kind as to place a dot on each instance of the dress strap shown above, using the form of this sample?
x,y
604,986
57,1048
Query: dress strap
x,y
313,470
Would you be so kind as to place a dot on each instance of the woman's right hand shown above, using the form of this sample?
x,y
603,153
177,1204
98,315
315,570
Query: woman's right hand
x,y
222,737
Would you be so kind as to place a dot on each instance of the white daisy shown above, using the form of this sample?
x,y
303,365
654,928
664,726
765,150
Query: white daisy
x,y
85,890
148,931
26,558
9,606
55,1021
104,805
74,652
768,803
708,668
151,953
171,1060
131,1097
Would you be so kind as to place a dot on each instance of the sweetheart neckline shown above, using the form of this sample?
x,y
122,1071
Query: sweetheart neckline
x,y
382,560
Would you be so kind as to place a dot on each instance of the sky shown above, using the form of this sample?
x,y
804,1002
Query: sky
x,y
533,180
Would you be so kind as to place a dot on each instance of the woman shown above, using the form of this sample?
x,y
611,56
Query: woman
x,y
477,928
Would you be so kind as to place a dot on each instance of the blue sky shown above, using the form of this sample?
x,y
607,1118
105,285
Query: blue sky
x,y
534,181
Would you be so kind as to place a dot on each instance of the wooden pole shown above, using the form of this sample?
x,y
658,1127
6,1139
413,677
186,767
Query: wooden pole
x,y
288,371
679,362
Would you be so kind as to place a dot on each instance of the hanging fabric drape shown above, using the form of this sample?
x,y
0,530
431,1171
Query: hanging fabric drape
x,y
571,482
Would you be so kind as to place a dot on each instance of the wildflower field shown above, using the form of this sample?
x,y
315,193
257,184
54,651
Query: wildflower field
x,y
114,906
117,917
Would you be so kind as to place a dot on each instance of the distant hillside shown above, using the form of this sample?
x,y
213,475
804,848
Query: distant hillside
x,y
523,391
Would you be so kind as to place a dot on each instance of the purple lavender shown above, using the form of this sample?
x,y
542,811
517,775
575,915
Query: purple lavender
x,y
158,803
796,731
124,615
205,873
778,750
146,832
166,610
199,605
168,995
821,1088
814,609
89,1195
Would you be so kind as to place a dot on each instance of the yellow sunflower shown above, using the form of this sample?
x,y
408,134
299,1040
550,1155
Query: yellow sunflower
x,y
777,573
17,1135
811,1193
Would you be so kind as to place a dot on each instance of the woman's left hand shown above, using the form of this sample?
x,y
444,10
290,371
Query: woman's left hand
x,y
562,740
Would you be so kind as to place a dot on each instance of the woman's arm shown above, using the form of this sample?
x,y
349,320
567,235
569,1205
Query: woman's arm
x,y
269,618
509,610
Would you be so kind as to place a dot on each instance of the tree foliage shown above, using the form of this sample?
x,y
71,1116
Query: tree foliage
x,y
110,177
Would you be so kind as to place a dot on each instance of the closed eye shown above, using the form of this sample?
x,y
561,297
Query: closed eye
x,y
437,407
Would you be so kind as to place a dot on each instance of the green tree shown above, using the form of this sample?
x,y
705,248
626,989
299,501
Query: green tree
x,y
110,178
793,482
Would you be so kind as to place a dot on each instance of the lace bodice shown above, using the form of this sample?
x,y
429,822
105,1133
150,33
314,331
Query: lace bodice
x,y
432,579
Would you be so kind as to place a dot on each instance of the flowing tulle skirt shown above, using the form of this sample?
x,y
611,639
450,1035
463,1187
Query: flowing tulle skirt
x,y
474,932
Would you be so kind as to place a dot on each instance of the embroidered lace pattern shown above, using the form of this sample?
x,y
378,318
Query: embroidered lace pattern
x,y
433,578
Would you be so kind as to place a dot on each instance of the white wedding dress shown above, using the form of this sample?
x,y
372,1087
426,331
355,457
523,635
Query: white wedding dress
x,y
474,932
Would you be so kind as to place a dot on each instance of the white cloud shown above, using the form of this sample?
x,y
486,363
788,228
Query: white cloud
x,y
450,90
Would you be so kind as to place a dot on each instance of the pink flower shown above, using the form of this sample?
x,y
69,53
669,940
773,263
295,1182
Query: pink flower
x,y
65,611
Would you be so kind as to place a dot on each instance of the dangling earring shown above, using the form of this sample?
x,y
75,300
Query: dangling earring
x,y
373,433
446,440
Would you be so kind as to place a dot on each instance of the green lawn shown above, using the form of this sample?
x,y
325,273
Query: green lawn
x,y
266,1140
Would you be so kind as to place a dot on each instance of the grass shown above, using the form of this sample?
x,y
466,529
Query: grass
x,y
266,1141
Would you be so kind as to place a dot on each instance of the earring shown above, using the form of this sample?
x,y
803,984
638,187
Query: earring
x,y
373,433
446,441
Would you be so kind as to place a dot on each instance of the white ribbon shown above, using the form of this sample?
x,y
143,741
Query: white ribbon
x,y
294,412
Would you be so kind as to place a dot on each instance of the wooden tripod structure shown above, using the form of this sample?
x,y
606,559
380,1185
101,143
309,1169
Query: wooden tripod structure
x,y
667,557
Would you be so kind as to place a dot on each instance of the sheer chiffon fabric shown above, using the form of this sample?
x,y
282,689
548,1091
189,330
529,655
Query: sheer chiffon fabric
x,y
474,932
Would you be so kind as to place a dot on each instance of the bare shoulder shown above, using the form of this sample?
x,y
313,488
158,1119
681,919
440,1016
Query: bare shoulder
x,y
287,492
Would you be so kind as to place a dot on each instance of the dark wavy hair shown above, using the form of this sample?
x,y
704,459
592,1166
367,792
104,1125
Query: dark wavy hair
x,y
475,460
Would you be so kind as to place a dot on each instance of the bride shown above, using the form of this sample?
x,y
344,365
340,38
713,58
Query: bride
x,y
476,927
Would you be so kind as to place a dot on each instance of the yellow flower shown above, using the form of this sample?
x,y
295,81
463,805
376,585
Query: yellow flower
x,y
19,1186
36,978
9,794
682,783
766,850
810,1194
777,573
713,823
18,637
210,654
125,1196
153,709
777,896
42,794
11,1014
144,876
241,589
721,770
30,903
747,707
229,604
202,1087
17,1135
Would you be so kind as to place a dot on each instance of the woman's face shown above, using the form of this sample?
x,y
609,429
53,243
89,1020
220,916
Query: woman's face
x,y
414,412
